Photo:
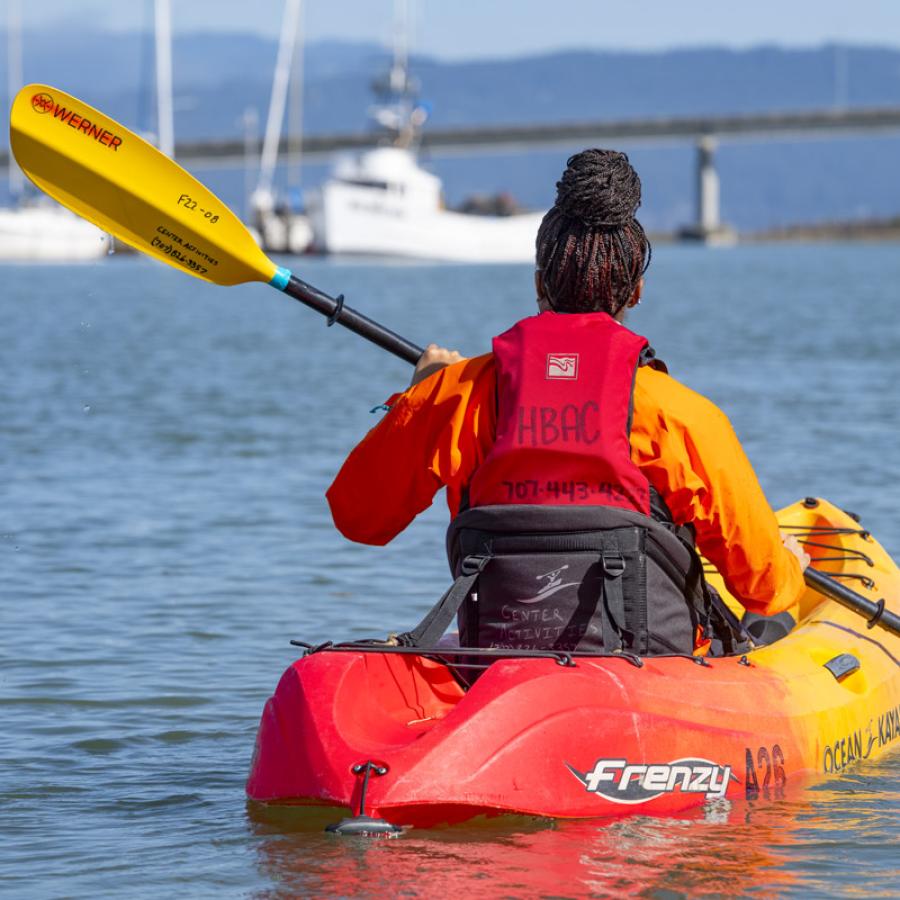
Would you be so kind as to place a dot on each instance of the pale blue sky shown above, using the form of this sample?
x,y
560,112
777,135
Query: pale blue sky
x,y
455,29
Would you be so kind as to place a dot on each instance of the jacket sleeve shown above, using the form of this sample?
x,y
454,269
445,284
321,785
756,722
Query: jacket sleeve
x,y
431,438
689,452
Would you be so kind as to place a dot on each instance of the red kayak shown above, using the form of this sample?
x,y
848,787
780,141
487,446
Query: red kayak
x,y
388,733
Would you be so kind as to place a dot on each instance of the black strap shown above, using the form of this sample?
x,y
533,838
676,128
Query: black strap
x,y
660,512
726,626
428,632
708,609
610,540
613,565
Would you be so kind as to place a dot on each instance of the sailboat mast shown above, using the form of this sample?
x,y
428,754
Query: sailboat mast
x,y
163,30
295,117
279,97
14,78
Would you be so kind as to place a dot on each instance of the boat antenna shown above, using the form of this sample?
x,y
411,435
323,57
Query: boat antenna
x,y
399,76
397,111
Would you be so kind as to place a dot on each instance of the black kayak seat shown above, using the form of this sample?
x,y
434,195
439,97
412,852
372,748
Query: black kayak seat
x,y
768,629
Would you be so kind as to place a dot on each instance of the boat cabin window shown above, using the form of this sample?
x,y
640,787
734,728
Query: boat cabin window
x,y
364,182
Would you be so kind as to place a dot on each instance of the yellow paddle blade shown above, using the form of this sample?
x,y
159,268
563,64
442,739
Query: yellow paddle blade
x,y
115,179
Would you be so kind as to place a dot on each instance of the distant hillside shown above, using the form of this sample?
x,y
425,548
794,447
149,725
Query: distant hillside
x,y
763,185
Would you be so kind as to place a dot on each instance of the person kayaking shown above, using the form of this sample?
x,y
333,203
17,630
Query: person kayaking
x,y
580,475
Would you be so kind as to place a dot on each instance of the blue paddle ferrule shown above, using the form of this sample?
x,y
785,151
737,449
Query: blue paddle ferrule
x,y
281,278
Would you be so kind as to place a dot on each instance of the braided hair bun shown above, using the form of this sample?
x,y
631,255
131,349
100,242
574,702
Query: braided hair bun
x,y
599,189
591,250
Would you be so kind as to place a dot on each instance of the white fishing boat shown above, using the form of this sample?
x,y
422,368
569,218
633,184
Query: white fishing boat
x,y
383,203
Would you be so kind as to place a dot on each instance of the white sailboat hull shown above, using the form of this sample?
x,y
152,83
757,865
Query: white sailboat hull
x,y
284,232
49,234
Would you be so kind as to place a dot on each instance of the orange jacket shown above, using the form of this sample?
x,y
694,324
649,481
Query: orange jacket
x,y
438,432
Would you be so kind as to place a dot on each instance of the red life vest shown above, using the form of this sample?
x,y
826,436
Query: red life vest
x,y
559,548
564,384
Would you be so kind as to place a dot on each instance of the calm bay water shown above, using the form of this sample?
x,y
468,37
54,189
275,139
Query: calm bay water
x,y
165,446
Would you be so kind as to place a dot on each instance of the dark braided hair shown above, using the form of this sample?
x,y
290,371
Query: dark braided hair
x,y
591,250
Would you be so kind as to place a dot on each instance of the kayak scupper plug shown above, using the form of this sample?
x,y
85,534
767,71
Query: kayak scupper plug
x,y
363,825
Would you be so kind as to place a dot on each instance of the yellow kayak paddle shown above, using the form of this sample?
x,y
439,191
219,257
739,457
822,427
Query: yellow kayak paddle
x,y
124,185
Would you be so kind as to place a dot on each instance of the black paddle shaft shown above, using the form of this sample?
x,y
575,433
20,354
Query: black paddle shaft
x,y
874,612
335,311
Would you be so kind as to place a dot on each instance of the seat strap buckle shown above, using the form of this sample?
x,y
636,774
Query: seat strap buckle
x,y
613,564
473,565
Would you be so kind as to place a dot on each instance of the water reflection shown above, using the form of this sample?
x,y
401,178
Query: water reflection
x,y
820,841
723,851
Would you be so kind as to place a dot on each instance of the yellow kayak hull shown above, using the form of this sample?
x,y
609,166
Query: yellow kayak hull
x,y
835,719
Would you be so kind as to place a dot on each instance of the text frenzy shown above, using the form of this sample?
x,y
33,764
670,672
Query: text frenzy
x,y
623,782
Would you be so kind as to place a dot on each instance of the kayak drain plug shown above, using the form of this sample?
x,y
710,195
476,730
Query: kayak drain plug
x,y
363,824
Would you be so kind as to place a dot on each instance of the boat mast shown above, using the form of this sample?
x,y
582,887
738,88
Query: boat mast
x,y
295,122
263,197
14,80
164,117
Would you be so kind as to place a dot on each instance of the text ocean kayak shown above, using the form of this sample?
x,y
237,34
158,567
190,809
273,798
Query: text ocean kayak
x,y
392,735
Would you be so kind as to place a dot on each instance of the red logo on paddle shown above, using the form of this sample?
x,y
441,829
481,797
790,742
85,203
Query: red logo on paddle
x,y
562,365
42,103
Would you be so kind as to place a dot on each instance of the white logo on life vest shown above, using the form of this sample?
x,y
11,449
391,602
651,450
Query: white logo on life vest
x,y
623,782
554,584
562,365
